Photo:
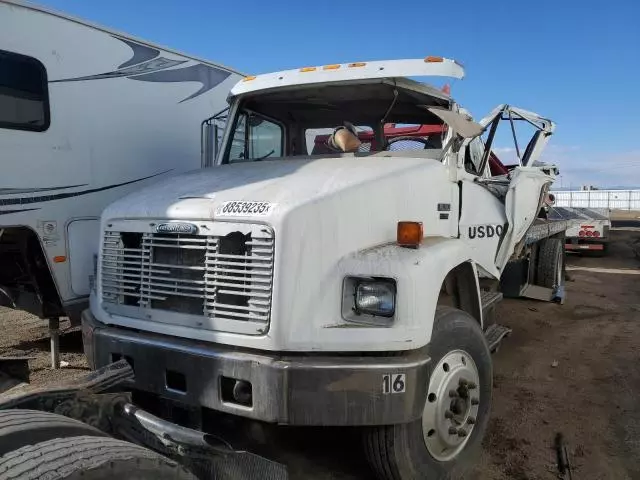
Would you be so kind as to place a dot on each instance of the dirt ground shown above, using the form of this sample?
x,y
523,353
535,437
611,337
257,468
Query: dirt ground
x,y
569,368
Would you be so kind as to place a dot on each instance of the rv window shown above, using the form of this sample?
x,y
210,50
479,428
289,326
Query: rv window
x,y
24,99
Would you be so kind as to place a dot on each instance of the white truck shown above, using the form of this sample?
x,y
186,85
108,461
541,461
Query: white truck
x,y
87,115
333,288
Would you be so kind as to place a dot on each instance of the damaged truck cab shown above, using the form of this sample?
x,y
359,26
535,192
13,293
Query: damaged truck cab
x,y
294,283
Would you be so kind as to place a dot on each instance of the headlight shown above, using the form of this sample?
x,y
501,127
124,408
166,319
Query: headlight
x,y
376,298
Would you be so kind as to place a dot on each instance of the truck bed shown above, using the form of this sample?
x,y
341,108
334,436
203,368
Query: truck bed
x,y
543,228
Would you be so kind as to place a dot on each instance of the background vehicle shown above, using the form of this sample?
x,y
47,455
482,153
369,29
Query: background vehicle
x,y
306,288
587,229
90,428
87,115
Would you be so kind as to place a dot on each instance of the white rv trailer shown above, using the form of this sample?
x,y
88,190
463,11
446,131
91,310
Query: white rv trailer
x,y
87,115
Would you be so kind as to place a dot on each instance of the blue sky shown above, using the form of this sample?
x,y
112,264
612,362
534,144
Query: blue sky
x,y
576,62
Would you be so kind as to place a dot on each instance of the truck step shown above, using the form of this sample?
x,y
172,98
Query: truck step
x,y
489,299
489,302
494,335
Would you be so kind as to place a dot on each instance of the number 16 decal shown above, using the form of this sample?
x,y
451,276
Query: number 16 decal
x,y
394,383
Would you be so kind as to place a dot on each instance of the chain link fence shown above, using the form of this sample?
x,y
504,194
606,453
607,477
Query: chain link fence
x,y
612,199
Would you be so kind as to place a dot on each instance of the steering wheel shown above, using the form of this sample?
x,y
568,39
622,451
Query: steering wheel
x,y
424,141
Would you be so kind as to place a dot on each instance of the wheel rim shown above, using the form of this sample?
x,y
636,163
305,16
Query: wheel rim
x,y
451,410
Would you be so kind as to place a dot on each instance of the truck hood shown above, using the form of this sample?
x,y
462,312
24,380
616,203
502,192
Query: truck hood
x,y
285,184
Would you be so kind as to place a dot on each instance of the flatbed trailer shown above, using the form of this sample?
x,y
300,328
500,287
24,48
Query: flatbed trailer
x,y
587,228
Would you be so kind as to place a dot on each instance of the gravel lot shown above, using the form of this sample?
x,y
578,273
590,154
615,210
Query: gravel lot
x,y
569,368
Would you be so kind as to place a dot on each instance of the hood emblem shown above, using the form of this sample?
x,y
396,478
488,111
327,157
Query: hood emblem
x,y
176,227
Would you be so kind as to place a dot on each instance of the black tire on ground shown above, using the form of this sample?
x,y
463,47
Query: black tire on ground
x,y
550,263
28,427
399,452
89,458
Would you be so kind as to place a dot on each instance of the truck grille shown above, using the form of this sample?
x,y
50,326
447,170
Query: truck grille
x,y
219,276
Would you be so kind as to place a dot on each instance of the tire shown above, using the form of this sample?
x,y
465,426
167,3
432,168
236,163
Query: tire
x,y
19,428
89,458
550,263
400,452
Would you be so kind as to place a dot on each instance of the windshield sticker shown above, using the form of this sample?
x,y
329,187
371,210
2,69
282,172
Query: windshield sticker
x,y
244,209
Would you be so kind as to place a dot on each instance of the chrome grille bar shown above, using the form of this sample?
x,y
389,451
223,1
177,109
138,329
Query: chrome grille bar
x,y
226,277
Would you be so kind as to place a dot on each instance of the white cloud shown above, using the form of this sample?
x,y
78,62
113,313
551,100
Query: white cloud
x,y
586,167
602,169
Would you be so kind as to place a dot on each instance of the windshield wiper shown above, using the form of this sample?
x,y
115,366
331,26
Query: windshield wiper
x,y
264,156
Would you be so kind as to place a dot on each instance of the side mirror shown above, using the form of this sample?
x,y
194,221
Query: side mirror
x,y
211,131
209,144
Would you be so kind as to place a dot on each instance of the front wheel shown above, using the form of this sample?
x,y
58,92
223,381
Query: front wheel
x,y
448,437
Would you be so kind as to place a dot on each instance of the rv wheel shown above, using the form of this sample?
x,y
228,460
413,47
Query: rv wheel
x,y
28,427
448,437
89,458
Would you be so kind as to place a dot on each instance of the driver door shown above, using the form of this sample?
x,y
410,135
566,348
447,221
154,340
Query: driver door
x,y
500,208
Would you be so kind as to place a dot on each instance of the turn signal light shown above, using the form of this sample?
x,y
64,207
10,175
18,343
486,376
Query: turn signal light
x,y
59,259
410,234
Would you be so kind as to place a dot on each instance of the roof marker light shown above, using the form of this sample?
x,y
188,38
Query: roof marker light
x,y
308,69
357,64
431,59
331,67
249,78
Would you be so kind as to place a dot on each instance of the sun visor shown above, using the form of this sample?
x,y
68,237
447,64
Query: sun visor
x,y
459,122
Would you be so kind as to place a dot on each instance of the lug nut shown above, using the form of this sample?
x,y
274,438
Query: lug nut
x,y
475,401
462,433
471,420
472,386
462,382
453,431
453,393
448,414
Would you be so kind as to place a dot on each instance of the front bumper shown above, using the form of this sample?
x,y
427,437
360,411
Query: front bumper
x,y
293,389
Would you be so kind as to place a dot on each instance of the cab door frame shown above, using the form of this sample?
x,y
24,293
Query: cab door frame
x,y
524,187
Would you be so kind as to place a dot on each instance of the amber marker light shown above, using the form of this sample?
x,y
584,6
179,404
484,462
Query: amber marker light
x,y
410,234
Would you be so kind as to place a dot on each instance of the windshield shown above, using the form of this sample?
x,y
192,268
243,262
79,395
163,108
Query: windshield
x,y
255,138
304,121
